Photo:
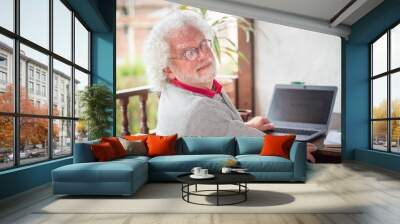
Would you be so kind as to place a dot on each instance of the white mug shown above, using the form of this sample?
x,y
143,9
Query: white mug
x,y
226,170
196,170
203,172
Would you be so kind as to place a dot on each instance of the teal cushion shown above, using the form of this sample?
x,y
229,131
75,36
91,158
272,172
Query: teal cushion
x,y
185,163
111,171
257,163
83,153
206,145
249,145
133,158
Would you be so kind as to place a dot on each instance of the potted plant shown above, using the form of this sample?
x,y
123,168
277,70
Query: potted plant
x,y
96,102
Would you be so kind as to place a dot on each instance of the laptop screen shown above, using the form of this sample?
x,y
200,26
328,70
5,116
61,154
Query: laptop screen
x,y
301,105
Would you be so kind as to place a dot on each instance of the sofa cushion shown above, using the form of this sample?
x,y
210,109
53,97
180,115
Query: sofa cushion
x,y
134,147
112,171
116,145
277,145
185,163
103,152
131,158
83,152
206,145
257,163
161,145
249,145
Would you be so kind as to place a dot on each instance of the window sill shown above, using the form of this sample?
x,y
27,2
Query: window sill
x,y
26,167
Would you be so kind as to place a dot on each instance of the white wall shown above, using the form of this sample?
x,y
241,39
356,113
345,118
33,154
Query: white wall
x,y
285,54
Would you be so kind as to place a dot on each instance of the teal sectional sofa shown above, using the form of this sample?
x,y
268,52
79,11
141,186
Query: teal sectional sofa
x,y
125,176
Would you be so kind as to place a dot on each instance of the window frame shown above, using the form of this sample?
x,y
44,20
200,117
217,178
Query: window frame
x,y
388,74
16,114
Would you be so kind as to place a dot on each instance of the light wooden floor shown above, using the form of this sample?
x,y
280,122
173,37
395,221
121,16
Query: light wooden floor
x,y
379,189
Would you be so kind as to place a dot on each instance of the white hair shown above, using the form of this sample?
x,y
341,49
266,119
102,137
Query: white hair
x,y
156,49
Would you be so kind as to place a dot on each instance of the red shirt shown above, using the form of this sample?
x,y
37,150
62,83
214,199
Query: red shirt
x,y
206,92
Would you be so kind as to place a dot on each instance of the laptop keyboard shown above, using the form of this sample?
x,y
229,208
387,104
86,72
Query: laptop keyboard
x,y
295,131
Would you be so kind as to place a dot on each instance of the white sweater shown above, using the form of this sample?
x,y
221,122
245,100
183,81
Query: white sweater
x,y
190,114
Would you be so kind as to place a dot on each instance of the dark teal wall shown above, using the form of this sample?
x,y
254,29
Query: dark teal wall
x,y
103,64
24,178
99,16
104,52
356,84
356,99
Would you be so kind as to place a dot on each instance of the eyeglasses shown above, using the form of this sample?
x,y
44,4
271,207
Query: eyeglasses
x,y
192,53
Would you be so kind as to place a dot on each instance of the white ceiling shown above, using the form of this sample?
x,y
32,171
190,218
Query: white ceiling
x,y
320,9
315,15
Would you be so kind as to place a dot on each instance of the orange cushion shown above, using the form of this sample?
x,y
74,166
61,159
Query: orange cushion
x,y
161,145
116,145
277,145
103,151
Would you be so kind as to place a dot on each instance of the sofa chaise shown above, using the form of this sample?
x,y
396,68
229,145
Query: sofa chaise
x,y
125,176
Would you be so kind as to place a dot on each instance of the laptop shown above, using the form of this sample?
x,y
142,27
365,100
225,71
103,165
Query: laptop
x,y
302,110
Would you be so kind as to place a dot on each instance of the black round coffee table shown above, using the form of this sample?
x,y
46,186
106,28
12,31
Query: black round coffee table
x,y
238,179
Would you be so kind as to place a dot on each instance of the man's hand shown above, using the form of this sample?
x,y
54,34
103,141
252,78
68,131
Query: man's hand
x,y
261,123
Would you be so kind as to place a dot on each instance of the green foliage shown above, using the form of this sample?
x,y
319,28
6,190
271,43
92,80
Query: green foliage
x,y
96,102
380,127
135,69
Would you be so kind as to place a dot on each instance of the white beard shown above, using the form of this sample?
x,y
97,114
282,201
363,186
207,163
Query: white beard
x,y
196,78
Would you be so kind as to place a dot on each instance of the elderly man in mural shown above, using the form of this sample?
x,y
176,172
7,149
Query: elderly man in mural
x,y
182,66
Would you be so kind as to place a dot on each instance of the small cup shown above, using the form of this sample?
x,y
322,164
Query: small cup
x,y
203,172
196,170
226,170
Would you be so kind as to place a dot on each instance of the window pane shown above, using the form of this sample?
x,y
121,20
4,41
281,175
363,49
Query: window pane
x,y
81,45
7,14
81,81
62,89
81,131
395,47
379,55
33,140
35,21
379,135
395,94
34,72
6,74
395,136
379,97
6,142
62,29
62,138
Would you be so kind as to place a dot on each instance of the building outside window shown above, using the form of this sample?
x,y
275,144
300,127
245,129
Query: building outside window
x,y
30,87
3,72
43,90
44,77
34,54
3,77
30,72
3,61
38,89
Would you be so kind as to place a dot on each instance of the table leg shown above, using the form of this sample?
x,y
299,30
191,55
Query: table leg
x,y
217,194
196,187
188,190
182,188
245,193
